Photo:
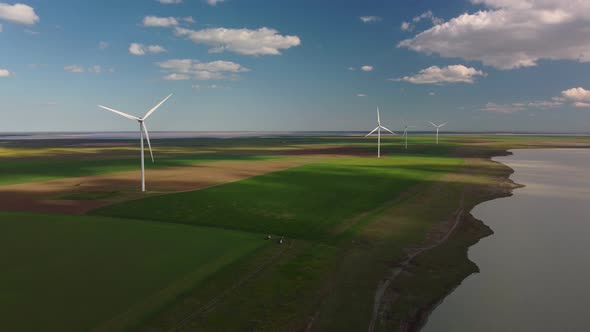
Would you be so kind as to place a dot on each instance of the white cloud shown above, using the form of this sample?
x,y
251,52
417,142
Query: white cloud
x,y
409,26
370,19
361,95
103,45
176,77
18,13
202,87
183,69
74,69
96,69
510,34
579,97
432,94
263,41
214,2
188,19
505,109
160,22
367,68
5,73
521,106
441,75
544,103
576,94
140,49
169,2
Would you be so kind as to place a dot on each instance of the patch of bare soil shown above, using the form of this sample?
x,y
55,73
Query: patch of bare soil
x,y
44,196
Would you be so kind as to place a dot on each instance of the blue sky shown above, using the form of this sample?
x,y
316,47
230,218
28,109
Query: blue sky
x,y
295,65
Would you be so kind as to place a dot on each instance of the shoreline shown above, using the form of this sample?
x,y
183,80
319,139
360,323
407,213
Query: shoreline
x,y
462,235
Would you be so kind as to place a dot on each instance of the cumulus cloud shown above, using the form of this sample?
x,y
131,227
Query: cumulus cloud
x,y
576,94
160,22
579,97
214,2
169,2
511,34
370,19
5,73
184,69
361,95
263,41
409,26
140,49
442,75
367,68
18,13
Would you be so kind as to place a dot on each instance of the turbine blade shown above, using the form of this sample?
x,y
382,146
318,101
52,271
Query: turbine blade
x,y
371,132
443,124
156,107
378,117
147,137
388,130
120,113
432,124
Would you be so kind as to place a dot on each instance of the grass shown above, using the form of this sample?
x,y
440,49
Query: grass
x,y
77,273
348,221
306,202
14,171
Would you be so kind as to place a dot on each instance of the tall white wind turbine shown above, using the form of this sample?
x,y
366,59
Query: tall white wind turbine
x,y
437,128
142,130
378,129
406,132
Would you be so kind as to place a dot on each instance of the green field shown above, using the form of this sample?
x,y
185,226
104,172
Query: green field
x,y
306,202
198,261
14,171
74,273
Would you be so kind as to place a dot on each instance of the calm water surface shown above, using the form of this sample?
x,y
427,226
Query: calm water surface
x,y
535,269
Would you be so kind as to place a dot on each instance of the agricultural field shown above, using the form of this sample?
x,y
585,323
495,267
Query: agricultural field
x,y
84,250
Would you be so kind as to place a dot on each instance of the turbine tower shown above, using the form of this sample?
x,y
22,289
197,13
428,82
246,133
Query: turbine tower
x,y
406,132
437,128
142,130
378,129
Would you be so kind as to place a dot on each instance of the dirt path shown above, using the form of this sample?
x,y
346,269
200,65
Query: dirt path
x,y
395,271
44,196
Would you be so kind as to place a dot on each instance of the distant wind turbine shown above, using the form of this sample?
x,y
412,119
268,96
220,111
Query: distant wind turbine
x,y
406,132
378,129
437,128
142,130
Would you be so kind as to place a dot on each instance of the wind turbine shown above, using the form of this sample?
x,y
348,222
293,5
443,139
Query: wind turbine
x,y
437,128
378,129
406,131
142,130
